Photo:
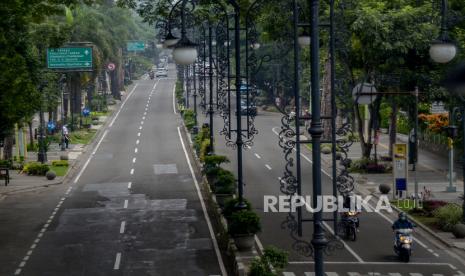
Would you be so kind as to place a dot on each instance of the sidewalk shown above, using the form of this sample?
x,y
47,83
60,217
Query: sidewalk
x,y
431,174
432,171
24,183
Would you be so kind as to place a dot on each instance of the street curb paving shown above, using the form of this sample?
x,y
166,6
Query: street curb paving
x,y
421,225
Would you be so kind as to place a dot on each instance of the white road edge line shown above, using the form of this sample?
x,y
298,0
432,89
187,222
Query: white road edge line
x,y
202,203
174,99
90,157
117,261
121,107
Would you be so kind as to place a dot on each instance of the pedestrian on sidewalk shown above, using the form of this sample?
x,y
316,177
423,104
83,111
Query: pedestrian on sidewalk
x,y
66,135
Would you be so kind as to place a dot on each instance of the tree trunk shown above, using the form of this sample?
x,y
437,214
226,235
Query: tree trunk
x,y
8,147
326,100
365,142
31,135
392,126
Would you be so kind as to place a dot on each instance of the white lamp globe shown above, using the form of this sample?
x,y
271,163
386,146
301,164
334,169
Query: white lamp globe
x,y
442,51
304,40
185,55
255,46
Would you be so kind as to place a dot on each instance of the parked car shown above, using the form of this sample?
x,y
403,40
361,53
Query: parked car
x,y
248,109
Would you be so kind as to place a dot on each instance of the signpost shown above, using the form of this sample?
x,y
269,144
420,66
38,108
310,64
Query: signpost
x,y
135,46
400,168
70,58
438,108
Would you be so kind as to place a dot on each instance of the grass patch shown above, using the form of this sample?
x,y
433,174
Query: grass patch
x,y
82,136
100,113
59,170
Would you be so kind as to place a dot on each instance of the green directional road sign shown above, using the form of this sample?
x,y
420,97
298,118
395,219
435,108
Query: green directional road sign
x,y
70,58
134,46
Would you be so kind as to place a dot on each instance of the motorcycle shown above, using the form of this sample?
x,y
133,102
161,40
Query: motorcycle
x,y
349,225
403,244
152,75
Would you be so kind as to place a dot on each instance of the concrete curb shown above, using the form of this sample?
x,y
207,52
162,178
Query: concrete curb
x,y
239,260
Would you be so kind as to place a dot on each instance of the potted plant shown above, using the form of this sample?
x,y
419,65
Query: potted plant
x,y
224,187
230,206
243,225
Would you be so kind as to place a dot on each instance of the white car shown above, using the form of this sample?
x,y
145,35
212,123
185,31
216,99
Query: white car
x,y
161,73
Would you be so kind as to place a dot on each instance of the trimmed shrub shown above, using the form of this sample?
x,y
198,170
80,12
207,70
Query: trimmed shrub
x,y
230,207
244,222
448,216
272,258
429,206
204,150
60,163
36,168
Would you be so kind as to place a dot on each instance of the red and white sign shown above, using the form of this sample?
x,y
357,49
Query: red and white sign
x,y
111,66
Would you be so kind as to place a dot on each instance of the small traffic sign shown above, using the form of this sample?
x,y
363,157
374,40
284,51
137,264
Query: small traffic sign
x,y
51,126
86,112
111,66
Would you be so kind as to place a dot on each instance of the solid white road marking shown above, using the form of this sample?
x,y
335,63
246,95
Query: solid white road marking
x,y
125,204
117,261
174,100
204,209
258,156
129,185
121,107
132,171
90,157
121,228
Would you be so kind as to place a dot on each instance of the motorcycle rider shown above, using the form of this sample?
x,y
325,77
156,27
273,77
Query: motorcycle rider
x,y
350,199
402,222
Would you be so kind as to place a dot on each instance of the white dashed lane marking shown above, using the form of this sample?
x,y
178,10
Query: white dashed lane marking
x,y
117,261
258,156
125,204
268,167
122,227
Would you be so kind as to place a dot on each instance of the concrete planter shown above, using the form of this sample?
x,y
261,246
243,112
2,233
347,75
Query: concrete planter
x,y
459,231
244,242
384,188
222,198
50,175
